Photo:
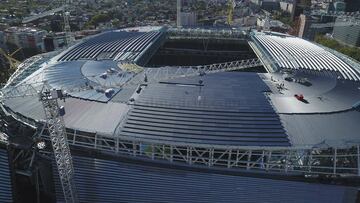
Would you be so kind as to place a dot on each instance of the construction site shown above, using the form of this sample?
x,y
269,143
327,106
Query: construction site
x,y
117,114
174,114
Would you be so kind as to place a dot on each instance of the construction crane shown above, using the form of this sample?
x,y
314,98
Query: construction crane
x,y
231,7
66,15
57,132
14,63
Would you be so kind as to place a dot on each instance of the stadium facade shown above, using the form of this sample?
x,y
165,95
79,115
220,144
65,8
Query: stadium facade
x,y
283,128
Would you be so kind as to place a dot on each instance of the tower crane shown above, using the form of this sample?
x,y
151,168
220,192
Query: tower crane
x,y
14,63
231,7
66,15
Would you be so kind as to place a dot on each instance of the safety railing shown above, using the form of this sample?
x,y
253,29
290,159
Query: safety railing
x,y
286,160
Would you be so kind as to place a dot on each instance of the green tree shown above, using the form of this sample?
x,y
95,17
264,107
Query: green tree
x,y
98,18
352,52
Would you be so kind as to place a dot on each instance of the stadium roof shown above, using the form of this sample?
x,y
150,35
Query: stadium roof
x,y
233,108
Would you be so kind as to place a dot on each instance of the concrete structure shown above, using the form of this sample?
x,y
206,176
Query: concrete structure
x,y
54,42
250,21
267,24
25,37
188,19
347,31
311,25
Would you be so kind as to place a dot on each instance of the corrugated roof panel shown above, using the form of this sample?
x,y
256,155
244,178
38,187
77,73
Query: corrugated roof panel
x,y
303,54
113,41
305,129
5,178
100,180
236,98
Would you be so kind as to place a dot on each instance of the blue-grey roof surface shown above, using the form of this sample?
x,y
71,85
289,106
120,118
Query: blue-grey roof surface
x,y
226,109
332,129
99,180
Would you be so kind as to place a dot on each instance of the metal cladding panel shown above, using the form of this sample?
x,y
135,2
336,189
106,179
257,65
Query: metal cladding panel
x,y
103,181
310,129
296,53
5,178
117,45
80,114
228,109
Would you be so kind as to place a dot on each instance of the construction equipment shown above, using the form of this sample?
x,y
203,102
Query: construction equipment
x,y
66,15
14,63
231,7
57,132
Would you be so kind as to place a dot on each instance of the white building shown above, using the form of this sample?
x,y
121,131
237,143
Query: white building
x,y
287,6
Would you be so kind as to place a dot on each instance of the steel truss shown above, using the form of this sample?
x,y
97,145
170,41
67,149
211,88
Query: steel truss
x,y
61,149
153,75
299,161
158,74
184,33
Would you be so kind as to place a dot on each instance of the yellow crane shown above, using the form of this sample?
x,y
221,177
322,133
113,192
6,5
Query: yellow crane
x,y
231,7
14,63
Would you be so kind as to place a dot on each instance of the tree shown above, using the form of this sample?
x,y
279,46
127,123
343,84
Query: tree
x,y
98,18
352,52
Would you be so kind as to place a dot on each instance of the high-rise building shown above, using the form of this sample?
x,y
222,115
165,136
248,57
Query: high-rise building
x,y
310,26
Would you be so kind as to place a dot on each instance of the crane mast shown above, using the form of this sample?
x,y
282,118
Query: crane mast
x,y
67,28
231,6
57,133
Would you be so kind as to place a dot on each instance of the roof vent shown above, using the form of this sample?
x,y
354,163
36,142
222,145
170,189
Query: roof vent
x,y
103,76
109,92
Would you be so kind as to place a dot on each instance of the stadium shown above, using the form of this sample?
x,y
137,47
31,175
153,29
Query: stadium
x,y
157,114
